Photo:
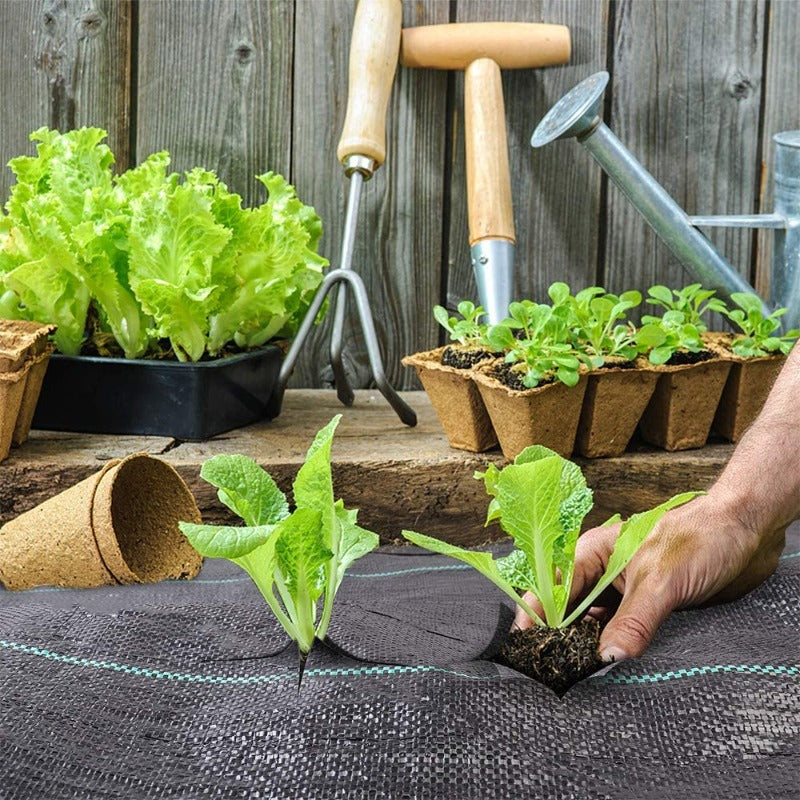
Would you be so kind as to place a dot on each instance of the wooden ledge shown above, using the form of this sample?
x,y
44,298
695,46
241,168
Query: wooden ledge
x,y
399,477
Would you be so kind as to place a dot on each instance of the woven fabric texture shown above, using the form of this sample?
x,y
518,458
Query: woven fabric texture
x,y
189,690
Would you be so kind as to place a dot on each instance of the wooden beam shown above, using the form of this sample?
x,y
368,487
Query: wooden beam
x,y
399,477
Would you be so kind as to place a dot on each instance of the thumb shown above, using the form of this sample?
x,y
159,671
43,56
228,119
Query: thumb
x,y
632,628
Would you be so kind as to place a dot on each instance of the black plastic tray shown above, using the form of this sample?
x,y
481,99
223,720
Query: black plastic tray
x,y
159,398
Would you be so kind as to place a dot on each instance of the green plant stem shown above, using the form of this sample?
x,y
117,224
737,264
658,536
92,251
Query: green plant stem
x,y
268,595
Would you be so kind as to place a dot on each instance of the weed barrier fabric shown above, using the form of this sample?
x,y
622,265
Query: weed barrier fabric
x,y
188,690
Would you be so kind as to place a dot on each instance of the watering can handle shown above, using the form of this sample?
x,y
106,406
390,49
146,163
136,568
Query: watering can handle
x,y
374,50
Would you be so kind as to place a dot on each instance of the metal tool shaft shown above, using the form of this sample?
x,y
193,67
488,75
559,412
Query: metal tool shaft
x,y
663,214
343,389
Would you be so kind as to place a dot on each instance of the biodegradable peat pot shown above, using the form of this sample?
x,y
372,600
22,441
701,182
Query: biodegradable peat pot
x,y
684,403
749,382
118,526
614,402
24,353
547,415
155,397
12,390
456,400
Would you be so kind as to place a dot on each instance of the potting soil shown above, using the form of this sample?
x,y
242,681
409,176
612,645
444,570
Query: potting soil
x,y
188,689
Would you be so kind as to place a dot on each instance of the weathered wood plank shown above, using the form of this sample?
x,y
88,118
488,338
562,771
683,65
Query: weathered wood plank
x,y
781,113
399,477
556,194
64,64
214,87
398,240
686,89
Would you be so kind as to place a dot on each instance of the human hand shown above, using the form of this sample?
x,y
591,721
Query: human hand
x,y
698,554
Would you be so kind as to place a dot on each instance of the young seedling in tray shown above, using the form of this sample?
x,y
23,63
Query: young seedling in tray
x,y
295,559
598,322
540,501
536,341
468,333
761,336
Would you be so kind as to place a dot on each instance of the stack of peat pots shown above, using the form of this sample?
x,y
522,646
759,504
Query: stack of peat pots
x,y
481,399
24,351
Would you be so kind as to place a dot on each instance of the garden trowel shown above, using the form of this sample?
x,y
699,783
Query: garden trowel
x,y
481,49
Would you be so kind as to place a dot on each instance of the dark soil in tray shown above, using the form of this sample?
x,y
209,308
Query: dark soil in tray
x,y
679,358
513,379
465,359
556,657
618,365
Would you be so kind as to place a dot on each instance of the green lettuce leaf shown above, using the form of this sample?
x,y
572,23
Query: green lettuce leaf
x,y
631,536
220,541
500,572
246,489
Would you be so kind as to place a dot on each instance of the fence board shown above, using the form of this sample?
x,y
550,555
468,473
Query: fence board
x,y
686,89
398,240
781,113
556,193
214,87
65,63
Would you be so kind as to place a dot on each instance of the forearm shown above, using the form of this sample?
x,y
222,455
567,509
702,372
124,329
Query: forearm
x,y
761,483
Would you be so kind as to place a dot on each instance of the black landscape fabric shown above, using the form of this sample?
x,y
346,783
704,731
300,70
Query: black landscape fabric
x,y
188,690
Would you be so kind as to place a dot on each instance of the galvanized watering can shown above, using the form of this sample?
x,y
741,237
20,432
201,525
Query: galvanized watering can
x,y
578,114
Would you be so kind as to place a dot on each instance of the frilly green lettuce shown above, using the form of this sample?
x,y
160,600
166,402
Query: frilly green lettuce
x,y
147,255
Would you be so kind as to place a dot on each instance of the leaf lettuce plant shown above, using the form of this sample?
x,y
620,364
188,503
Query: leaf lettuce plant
x,y
296,559
146,255
540,501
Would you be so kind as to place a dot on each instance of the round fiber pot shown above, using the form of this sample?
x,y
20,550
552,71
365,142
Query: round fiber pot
x,y
683,405
749,382
135,516
118,526
53,544
456,401
614,402
547,415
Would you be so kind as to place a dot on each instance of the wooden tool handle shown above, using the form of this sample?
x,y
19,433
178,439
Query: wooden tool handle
x,y
373,61
512,45
488,181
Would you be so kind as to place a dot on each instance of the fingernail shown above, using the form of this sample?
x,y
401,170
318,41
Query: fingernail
x,y
612,654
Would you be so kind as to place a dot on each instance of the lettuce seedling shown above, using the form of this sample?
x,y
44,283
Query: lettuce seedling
x,y
692,301
540,501
295,559
469,330
536,336
599,323
662,337
759,331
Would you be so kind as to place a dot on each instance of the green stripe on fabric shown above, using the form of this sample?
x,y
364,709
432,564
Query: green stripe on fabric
x,y
742,669
448,567
149,672
378,670
788,555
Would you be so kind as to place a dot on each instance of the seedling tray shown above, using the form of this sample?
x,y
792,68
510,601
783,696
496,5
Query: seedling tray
x,y
157,398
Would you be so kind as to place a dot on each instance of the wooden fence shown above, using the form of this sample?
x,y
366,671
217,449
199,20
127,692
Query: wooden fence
x,y
697,90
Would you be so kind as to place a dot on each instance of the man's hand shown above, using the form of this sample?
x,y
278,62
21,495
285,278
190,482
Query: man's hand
x,y
699,553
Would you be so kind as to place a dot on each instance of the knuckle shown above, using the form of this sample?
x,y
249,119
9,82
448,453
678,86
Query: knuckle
x,y
633,629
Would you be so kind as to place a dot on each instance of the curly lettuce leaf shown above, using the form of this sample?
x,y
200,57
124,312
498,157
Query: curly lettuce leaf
x,y
147,255
174,239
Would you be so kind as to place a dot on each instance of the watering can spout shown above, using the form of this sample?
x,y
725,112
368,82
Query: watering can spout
x,y
578,114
